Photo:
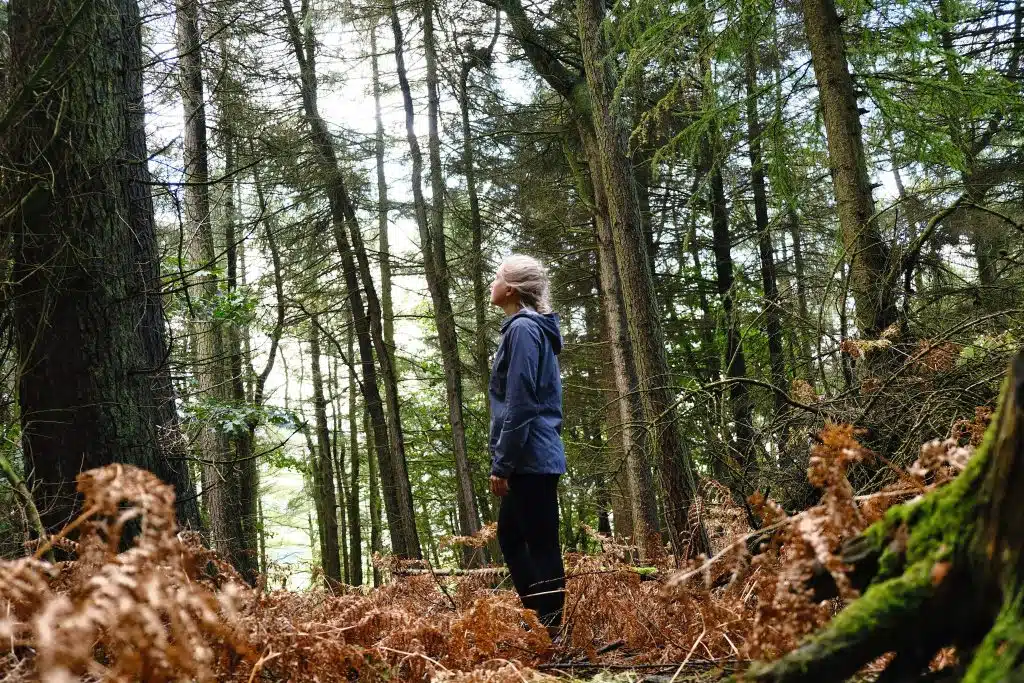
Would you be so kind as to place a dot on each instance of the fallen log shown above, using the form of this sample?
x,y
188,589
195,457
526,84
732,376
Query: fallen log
x,y
944,570
484,571
645,573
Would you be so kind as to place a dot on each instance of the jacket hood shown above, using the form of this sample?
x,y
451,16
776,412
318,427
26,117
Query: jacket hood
x,y
548,323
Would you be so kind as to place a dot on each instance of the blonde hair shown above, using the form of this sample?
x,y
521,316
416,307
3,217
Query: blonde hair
x,y
529,277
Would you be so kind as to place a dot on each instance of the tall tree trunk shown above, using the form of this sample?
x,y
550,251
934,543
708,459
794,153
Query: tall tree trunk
x,y
383,244
793,222
618,463
355,521
376,524
868,256
678,478
369,331
481,350
712,365
765,247
222,481
314,488
612,443
735,361
244,440
324,463
631,423
342,488
338,449
94,386
434,260
264,567
481,343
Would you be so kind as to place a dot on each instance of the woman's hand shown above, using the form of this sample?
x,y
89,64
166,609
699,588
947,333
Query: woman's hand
x,y
499,486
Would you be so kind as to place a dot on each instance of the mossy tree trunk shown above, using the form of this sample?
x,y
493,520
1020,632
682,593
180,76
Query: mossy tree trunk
x,y
945,570
633,439
609,138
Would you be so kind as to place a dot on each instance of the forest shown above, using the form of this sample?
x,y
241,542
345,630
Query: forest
x,y
246,337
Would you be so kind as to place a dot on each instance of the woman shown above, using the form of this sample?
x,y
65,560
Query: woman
x,y
527,454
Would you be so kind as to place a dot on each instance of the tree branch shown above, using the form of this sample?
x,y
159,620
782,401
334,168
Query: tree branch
x,y
542,57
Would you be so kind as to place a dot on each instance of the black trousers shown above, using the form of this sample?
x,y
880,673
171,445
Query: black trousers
x,y
528,536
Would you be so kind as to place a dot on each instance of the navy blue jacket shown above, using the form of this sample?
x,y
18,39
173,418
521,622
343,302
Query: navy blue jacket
x,y
526,397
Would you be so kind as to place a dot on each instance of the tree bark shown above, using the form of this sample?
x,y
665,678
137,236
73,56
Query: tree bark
x,y
868,256
610,438
223,485
376,524
338,450
262,528
631,423
94,385
355,519
765,247
383,206
312,481
323,462
369,331
646,334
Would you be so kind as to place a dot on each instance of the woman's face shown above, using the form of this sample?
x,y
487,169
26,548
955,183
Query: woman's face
x,y
500,292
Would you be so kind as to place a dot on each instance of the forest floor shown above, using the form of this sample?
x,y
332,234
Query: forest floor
x,y
167,609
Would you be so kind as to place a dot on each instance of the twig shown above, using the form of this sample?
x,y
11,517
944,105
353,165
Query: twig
x,y
414,654
683,577
18,484
592,666
688,655
611,646
260,662
81,519
485,571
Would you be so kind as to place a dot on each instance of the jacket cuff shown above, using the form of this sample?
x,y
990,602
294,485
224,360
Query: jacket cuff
x,y
499,469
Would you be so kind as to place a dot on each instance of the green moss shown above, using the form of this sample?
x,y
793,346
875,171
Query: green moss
x,y
998,657
865,629
911,540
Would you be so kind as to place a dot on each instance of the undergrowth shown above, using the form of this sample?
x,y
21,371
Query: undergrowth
x,y
167,609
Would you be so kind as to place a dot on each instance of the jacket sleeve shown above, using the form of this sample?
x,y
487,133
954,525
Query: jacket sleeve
x,y
521,404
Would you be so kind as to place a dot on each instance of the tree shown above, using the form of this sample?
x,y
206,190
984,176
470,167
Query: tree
x,y
323,463
758,178
928,566
388,436
355,518
94,387
222,474
863,247
602,132
435,264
